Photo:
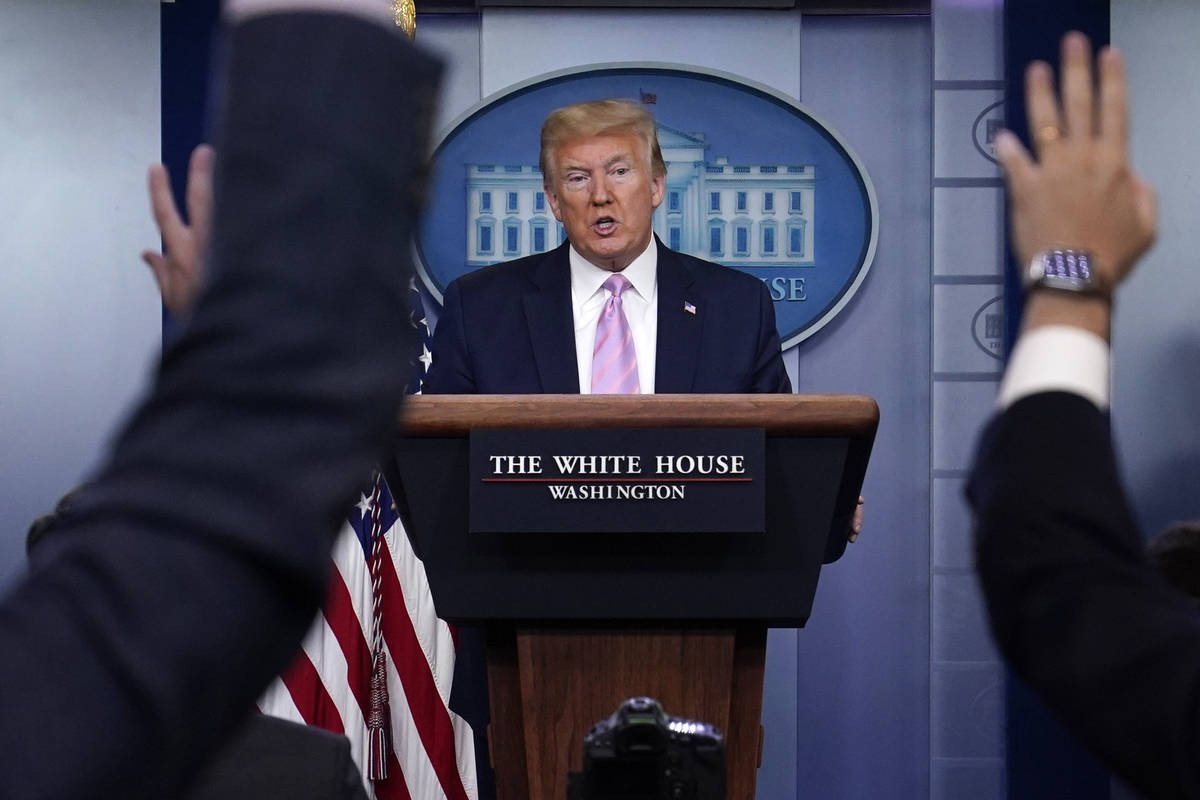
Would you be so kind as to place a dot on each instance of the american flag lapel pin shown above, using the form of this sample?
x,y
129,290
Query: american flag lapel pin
x,y
688,307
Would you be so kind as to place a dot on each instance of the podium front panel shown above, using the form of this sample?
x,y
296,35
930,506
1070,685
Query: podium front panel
x,y
632,576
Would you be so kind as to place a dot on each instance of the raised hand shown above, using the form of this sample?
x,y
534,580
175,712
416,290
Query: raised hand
x,y
1081,191
179,270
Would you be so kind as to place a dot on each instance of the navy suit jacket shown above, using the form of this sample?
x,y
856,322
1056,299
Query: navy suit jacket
x,y
1075,607
509,329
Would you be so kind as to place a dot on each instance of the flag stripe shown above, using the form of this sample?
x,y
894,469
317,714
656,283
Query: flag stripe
x,y
329,660
392,787
323,650
422,779
433,718
310,696
434,635
346,627
277,701
438,640
348,611
344,622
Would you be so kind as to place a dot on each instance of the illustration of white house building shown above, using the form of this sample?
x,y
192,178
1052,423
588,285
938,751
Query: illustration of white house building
x,y
739,215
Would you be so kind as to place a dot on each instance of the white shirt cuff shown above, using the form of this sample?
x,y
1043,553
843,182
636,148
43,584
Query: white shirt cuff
x,y
380,11
1057,358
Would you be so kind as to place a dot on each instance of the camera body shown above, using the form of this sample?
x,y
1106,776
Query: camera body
x,y
643,753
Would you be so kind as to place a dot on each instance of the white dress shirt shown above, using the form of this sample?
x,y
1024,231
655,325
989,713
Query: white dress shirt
x,y
1057,358
640,302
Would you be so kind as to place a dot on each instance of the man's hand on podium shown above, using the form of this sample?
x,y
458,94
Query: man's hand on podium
x,y
856,523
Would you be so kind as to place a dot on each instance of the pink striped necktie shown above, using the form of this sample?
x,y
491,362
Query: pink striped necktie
x,y
614,359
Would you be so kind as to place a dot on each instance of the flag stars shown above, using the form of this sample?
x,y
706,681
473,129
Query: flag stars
x,y
363,505
426,357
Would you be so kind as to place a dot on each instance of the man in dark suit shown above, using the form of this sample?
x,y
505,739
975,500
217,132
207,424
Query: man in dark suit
x,y
533,325
271,757
192,563
537,324
1075,607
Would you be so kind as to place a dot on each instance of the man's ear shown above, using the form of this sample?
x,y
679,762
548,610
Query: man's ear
x,y
657,190
552,199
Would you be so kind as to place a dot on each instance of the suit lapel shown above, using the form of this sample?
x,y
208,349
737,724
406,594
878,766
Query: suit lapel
x,y
678,329
552,324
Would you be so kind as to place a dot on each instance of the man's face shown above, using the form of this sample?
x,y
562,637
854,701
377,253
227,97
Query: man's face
x,y
603,193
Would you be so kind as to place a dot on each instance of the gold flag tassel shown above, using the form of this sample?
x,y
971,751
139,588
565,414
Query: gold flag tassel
x,y
405,14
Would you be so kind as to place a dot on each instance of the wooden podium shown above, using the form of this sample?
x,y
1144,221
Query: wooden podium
x,y
577,622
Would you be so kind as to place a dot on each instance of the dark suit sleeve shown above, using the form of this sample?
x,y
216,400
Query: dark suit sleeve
x,y
1074,606
193,562
769,375
450,372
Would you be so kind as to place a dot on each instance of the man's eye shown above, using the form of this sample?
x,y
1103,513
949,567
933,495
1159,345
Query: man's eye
x,y
621,171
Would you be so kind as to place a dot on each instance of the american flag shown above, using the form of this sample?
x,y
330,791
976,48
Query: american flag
x,y
428,751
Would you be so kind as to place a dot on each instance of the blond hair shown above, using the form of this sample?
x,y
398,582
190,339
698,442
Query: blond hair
x,y
600,118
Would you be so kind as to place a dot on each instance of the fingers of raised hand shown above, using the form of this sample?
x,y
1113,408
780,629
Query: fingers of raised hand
x,y
1077,99
162,203
1114,103
160,268
1041,105
1014,158
156,261
200,190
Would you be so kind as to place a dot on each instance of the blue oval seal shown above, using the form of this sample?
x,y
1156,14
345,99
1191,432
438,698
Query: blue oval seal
x,y
987,327
755,181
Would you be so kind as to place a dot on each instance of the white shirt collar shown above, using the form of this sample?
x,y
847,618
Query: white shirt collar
x,y
587,278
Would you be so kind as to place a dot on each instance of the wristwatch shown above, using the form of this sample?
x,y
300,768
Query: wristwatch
x,y
1065,270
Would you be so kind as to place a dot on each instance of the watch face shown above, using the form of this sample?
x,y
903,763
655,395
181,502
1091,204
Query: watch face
x,y
1070,270
1072,265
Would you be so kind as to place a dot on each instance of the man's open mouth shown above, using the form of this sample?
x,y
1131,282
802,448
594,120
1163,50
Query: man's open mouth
x,y
604,225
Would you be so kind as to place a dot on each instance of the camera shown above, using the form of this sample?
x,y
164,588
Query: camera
x,y
643,753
